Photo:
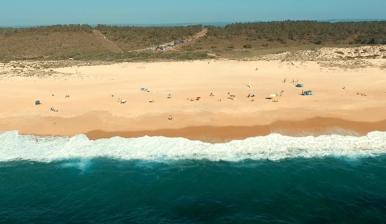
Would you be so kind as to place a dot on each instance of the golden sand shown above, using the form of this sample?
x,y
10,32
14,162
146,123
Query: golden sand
x,y
206,100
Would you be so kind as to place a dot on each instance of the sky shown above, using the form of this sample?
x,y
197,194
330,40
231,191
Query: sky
x,y
141,12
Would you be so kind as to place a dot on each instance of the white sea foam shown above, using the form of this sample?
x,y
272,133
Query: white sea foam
x,y
15,147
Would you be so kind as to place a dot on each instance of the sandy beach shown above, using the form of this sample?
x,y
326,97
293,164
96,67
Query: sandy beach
x,y
209,100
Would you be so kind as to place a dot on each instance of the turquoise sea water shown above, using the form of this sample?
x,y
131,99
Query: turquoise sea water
x,y
333,188
325,190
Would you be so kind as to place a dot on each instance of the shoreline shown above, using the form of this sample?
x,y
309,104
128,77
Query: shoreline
x,y
218,134
221,134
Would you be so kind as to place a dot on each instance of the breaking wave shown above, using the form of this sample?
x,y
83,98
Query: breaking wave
x,y
14,147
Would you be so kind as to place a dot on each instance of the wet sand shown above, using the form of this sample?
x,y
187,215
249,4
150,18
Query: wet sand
x,y
309,127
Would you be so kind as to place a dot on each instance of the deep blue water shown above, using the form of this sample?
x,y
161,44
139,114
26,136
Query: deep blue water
x,y
328,190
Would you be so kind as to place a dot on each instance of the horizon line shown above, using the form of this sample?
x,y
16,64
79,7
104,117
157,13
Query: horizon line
x,y
213,23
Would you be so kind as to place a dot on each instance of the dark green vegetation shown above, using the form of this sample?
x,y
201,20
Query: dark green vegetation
x,y
82,42
260,38
133,38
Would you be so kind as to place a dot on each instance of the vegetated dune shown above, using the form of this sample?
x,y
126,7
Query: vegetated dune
x,y
234,41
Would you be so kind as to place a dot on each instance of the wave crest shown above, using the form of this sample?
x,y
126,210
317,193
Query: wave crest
x,y
272,147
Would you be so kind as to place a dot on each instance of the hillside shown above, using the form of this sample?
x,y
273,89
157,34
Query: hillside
x,y
82,42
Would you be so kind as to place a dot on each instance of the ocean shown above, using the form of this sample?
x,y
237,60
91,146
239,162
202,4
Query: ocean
x,y
270,179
